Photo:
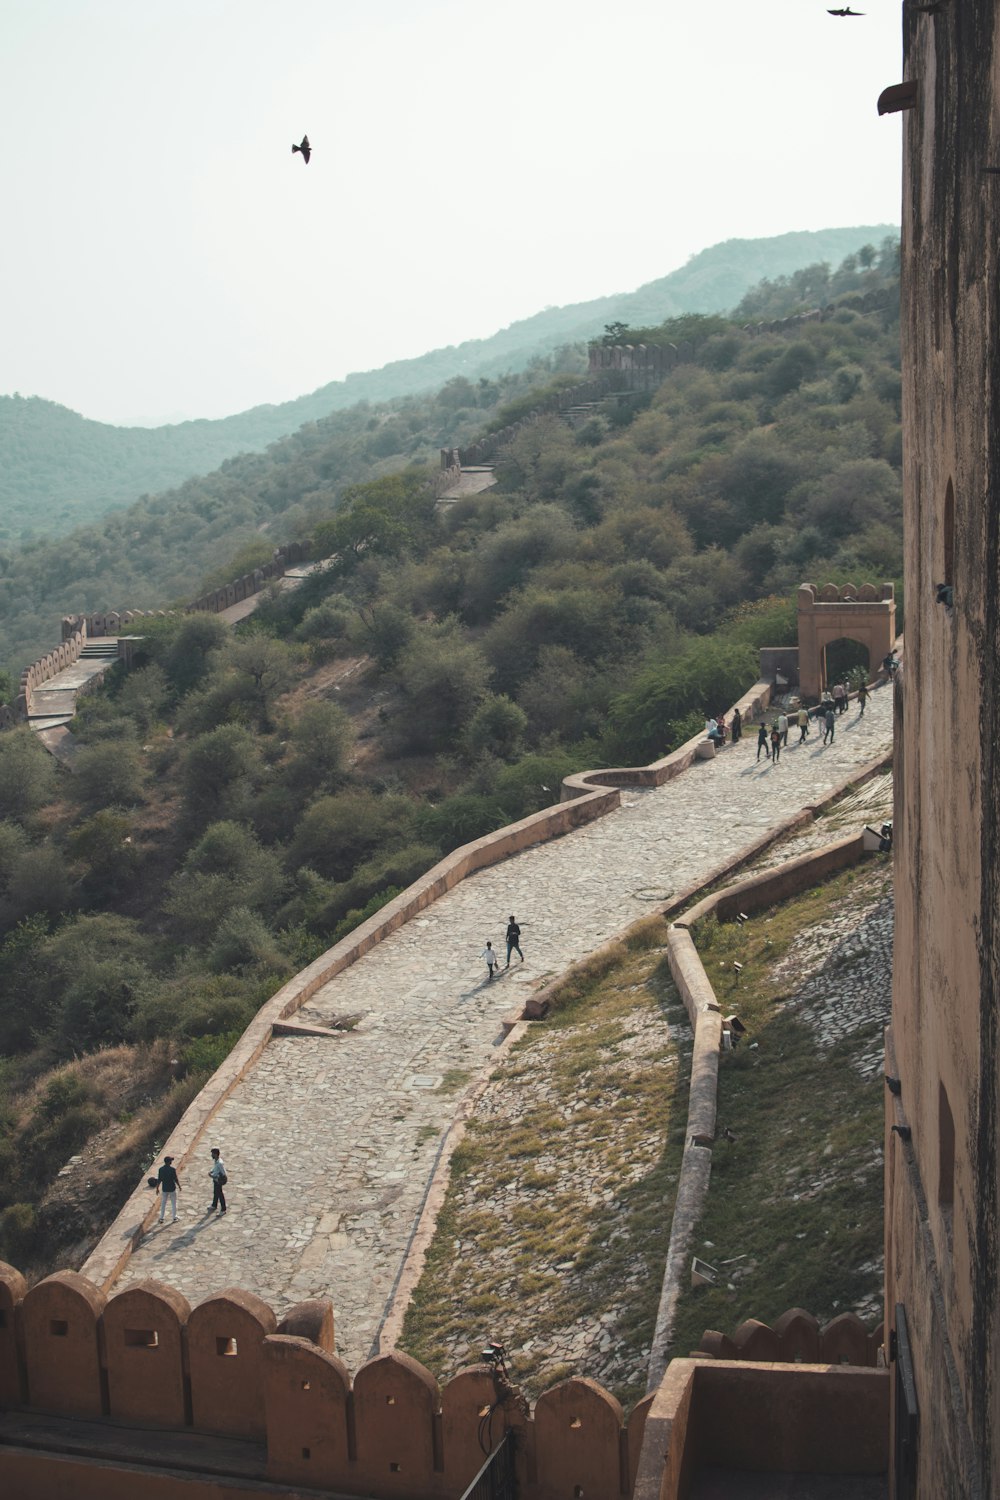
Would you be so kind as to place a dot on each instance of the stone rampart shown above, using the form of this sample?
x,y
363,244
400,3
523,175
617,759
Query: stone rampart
x,y
494,443
111,622
245,1397
647,365
797,1336
797,1418
47,666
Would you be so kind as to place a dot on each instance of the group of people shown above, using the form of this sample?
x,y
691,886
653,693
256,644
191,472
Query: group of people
x,y
772,739
718,732
167,1183
492,957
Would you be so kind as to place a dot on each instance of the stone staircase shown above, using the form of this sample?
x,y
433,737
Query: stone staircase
x,y
53,704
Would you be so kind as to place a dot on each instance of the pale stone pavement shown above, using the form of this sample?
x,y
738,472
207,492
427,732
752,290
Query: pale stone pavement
x,y
330,1143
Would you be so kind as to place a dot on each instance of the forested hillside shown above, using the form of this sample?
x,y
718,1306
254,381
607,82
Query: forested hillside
x,y
58,469
242,799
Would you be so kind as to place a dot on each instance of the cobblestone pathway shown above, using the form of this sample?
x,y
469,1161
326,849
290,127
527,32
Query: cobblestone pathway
x,y
330,1143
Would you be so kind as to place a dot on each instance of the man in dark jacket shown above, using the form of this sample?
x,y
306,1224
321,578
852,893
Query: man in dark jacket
x,y
168,1184
513,941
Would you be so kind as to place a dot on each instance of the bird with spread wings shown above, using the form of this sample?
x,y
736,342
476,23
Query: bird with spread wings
x,y
305,148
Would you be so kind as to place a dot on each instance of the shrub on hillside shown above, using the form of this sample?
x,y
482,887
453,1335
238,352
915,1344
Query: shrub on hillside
x,y
336,833
27,775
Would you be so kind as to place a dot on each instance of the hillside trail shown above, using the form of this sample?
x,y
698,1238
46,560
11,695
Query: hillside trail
x,y
330,1141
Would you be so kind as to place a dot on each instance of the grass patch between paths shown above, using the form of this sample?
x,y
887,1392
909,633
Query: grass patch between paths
x,y
553,1234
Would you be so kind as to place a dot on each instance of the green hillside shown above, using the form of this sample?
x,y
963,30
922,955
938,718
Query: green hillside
x,y
243,798
58,469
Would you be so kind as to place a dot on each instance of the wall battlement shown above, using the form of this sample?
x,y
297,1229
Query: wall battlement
x,y
228,1369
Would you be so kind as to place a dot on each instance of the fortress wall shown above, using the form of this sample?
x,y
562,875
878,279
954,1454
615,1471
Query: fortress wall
x,y
803,1418
226,1370
488,447
48,665
649,364
797,1337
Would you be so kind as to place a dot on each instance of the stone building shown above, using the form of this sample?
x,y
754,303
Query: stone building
x,y
942,1188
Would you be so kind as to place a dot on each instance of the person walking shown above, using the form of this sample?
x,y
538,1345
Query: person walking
x,y
803,722
862,699
492,961
762,742
168,1185
783,727
845,701
513,941
219,1176
839,696
830,720
775,742
737,731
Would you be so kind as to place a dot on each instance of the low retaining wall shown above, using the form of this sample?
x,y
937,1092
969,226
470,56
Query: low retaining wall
x,y
662,771
704,1014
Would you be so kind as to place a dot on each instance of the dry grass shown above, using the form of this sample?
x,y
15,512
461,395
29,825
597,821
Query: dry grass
x,y
798,1195
553,1233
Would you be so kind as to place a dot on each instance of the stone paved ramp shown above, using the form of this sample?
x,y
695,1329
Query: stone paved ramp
x,y
330,1142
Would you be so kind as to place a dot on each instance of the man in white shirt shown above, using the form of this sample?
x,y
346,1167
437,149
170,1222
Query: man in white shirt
x,y
219,1177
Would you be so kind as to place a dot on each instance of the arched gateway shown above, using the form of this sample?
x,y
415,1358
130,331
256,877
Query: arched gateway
x,y
866,615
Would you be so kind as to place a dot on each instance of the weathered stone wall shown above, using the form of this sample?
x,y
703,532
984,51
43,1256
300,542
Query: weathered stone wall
x,y
228,1370
943,1179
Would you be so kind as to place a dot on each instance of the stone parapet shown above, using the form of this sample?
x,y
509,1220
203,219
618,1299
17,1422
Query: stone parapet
x,y
243,1399
780,1418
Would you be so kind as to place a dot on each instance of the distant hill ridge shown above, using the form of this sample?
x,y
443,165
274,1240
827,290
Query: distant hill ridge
x,y
59,469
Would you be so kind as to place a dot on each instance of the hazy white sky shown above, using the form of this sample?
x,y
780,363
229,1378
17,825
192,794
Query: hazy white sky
x,y
164,255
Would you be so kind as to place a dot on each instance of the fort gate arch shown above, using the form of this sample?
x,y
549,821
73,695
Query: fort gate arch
x,y
866,615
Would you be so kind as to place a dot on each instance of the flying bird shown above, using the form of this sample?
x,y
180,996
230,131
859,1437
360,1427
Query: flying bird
x,y
846,12
305,148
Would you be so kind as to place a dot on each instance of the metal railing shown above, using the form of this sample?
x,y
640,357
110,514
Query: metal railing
x,y
497,1479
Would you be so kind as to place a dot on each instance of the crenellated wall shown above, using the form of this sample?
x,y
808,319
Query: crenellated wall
x,y
490,446
797,1337
110,622
647,365
284,1408
47,666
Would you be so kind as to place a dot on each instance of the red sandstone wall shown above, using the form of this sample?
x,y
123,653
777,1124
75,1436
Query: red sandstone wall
x,y
283,1409
941,1255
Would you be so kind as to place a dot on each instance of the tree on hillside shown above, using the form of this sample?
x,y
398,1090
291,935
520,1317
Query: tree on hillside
x,y
216,770
443,677
383,518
